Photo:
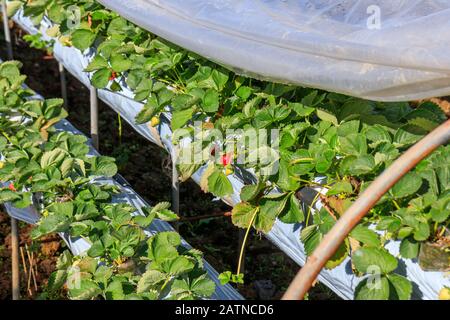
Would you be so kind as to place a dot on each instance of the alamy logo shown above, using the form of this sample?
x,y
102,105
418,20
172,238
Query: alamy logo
x,y
374,20
74,278
374,279
73,17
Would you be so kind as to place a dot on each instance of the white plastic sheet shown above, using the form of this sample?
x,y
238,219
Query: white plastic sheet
x,y
380,50
286,236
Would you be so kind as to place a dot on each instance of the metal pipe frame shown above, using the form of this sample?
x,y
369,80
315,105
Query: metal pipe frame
x,y
333,239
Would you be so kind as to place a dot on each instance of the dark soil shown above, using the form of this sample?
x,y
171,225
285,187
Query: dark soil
x,y
45,254
142,164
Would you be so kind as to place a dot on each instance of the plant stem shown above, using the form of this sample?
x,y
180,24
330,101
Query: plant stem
x,y
245,241
312,183
396,204
165,284
442,231
120,128
310,207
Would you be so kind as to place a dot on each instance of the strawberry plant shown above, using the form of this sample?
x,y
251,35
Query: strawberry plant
x,y
50,169
343,142
36,41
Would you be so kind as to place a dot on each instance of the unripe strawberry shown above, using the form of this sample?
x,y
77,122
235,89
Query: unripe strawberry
x,y
444,294
65,41
229,171
2,164
155,121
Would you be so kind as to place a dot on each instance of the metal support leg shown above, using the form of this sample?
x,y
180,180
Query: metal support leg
x,y
175,190
94,118
62,77
7,31
14,230
175,187
15,260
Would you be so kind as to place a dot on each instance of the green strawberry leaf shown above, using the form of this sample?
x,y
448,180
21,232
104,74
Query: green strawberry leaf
x,y
370,259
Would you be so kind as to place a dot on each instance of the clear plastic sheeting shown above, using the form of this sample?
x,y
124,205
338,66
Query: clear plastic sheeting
x,y
285,236
380,50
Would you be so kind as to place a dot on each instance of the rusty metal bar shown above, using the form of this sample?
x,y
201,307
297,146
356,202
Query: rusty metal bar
x,y
333,239
15,260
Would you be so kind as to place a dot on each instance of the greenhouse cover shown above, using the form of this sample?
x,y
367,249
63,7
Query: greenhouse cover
x,y
379,50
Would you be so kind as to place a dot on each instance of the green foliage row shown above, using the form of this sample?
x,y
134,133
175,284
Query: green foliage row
x,y
52,170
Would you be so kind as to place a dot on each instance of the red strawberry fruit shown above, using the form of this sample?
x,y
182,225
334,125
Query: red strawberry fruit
x,y
226,159
113,76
